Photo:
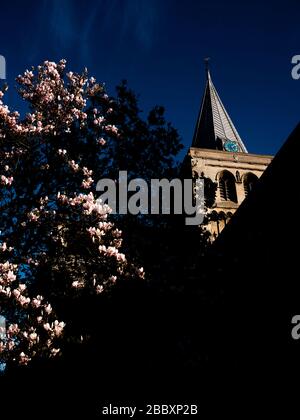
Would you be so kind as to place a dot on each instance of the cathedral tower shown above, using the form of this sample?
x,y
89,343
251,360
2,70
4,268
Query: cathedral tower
x,y
219,155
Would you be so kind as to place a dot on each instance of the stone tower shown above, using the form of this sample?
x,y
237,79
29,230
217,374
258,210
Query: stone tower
x,y
219,155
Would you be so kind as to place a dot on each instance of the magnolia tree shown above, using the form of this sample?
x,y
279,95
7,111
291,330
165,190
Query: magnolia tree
x,y
57,242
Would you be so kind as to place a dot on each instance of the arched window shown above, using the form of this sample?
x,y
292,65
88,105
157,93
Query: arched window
x,y
227,186
249,181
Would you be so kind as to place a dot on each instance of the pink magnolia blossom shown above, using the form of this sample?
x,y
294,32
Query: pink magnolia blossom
x,y
67,219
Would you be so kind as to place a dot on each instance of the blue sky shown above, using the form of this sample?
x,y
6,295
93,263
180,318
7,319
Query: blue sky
x,y
159,46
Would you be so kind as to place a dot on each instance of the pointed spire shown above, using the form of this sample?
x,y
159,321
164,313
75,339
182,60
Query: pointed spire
x,y
206,61
214,128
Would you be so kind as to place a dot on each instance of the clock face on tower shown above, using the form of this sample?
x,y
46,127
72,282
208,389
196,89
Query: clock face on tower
x,y
231,146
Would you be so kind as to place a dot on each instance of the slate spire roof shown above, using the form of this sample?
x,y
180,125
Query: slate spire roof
x,y
214,126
